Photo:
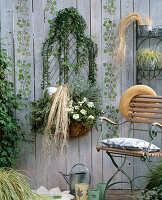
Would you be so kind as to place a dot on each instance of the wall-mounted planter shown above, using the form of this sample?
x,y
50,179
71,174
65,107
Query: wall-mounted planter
x,y
144,30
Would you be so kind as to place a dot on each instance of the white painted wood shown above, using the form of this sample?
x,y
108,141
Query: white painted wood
x,y
26,159
96,18
6,18
139,167
83,7
127,79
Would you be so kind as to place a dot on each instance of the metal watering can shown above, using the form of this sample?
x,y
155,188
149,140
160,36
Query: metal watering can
x,y
76,177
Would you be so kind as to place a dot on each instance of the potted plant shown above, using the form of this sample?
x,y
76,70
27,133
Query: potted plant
x,y
85,106
144,30
147,59
70,112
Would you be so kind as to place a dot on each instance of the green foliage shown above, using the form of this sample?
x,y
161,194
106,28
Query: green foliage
x,y
153,188
8,125
86,96
149,195
67,26
110,81
51,6
149,59
39,114
15,186
24,77
23,47
86,101
154,177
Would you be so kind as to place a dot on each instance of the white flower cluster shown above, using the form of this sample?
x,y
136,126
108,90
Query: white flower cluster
x,y
77,110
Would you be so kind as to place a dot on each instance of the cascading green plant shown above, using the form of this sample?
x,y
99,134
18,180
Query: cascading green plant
x,y
9,128
15,186
148,59
69,46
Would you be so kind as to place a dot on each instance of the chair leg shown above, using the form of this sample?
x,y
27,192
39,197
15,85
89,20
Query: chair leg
x,y
119,169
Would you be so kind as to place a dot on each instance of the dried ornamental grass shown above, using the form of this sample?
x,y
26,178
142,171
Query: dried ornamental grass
x,y
56,131
120,46
14,186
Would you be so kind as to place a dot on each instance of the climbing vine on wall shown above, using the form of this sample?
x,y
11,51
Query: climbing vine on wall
x,y
110,69
23,49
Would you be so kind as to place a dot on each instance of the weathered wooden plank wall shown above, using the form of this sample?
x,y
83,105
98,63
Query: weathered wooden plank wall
x,y
36,18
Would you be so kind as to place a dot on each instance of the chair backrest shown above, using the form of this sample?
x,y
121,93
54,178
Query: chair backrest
x,y
145,109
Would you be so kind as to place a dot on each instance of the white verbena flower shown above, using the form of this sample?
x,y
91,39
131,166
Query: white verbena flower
x,y
90,104
84,99
76,107
91,117
76,116
84,112
80,102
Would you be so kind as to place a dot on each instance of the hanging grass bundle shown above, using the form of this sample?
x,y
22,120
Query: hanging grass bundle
x,y
56,130
120,46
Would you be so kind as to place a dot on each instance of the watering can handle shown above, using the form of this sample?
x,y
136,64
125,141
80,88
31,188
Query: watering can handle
x,y
85,168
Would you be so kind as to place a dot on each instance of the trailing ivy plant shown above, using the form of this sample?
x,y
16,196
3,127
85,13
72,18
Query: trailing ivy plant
x,y
9,127
23,41
68,26
110,69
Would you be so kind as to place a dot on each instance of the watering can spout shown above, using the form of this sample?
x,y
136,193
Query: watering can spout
x,y
65,177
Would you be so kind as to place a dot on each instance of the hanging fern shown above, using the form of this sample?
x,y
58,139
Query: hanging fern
x,y
67,27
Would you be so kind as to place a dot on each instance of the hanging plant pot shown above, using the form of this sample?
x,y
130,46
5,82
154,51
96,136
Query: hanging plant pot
x,y
78,129
144,30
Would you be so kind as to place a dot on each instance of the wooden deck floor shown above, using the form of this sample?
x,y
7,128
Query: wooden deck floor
x,y
121,195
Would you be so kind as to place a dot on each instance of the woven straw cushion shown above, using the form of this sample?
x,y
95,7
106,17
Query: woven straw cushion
x,y
130,93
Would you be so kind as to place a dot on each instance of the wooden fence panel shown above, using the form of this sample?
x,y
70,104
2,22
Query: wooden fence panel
x,y
28,22
24,81
96,30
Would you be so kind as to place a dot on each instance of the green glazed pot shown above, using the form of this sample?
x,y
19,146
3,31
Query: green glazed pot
x,y
101,188
93,194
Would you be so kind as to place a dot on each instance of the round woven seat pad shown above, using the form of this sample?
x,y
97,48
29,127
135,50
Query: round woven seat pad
x,y
129,94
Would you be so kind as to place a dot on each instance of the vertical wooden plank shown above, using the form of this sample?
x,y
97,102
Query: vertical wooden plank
x,y
23,34
110,21
155,15
6,27
56,163
127,79
72,154
69,3
85,142
96,30
139,167
39,35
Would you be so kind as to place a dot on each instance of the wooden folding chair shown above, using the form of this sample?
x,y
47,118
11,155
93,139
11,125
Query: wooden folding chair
x,y
145,109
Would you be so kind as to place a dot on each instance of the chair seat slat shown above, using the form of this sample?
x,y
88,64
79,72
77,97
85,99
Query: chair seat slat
x,y
136,153
145,110
149,96
146,100
142,115
146,105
